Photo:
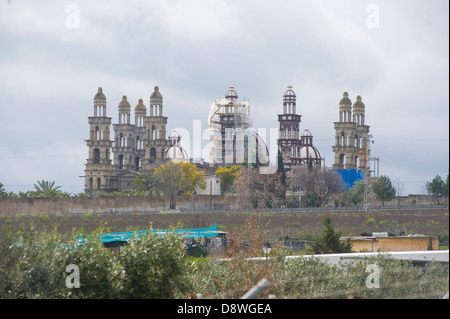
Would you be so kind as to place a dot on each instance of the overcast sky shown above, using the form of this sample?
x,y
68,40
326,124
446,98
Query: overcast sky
x,y
55,54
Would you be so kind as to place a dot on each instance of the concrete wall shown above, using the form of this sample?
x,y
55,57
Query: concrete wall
x,y
132,204
32,206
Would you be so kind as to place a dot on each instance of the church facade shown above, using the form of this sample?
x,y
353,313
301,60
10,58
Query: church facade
x,y
137,148
352,143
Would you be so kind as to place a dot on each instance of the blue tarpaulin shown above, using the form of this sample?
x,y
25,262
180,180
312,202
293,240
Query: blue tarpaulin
x,y
350,176
185,233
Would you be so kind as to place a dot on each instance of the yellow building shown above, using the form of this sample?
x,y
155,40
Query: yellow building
x,y
392,243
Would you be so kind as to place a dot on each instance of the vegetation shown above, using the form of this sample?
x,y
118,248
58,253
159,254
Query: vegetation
x,y
147,184
228,175
316,184
355,195
256,190
179,179
328,242
34,265
383,189
437,187
172,179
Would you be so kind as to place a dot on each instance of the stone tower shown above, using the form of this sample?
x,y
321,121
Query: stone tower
x,y
123,141
351,150
232,138
289,142
140,112
155,141
99,166
128,143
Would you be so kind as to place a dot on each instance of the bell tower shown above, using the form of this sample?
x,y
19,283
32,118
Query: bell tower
x,y
155,139
351,150
289,142
99,166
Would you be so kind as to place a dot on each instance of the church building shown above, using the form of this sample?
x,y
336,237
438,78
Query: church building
x,y
137,148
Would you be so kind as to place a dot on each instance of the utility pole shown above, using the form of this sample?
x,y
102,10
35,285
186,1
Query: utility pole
x,y
367,186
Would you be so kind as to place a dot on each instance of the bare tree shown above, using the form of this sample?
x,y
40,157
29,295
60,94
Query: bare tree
x,y
255,190
316,184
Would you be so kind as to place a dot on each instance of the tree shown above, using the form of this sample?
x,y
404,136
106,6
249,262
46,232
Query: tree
x,y
46,189
317,184
354,195
4,193
255,190
179,179
227,174
280,167
383,189
437,187
147,184
328,242
446,187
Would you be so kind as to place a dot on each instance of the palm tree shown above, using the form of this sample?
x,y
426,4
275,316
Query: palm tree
x,y
147,184
46,189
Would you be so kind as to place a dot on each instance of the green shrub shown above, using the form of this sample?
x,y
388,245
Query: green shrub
x,y
33,265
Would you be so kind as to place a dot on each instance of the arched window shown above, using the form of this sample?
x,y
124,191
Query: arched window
x,y
137,163
152,155
96,156
120,161
342,160
286,152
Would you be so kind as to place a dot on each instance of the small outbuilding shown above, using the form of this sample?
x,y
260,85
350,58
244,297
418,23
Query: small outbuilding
x,y
392,243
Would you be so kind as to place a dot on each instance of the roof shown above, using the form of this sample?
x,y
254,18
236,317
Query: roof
x,y
140,106
100,95
289,95
231,94
124,102
345,100
156,93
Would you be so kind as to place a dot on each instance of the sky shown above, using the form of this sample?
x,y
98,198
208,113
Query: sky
x,y
55,54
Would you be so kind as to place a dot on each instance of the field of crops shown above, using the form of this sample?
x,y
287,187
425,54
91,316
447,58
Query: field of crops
x,y
295,225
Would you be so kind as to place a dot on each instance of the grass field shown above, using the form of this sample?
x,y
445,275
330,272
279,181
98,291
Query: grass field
x,y
295,225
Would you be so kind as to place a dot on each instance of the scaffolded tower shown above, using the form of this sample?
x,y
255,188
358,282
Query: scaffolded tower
x,y
232,138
